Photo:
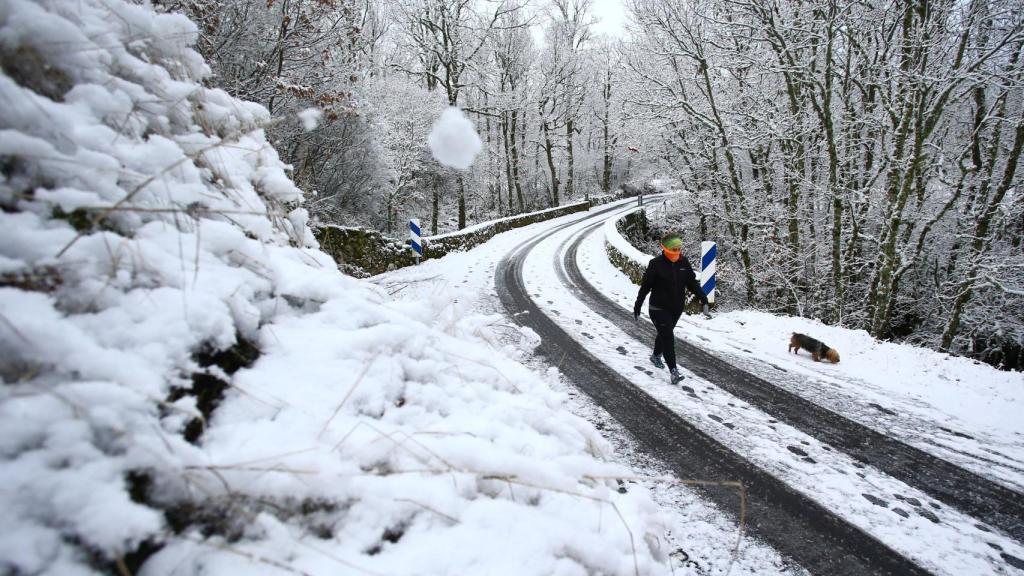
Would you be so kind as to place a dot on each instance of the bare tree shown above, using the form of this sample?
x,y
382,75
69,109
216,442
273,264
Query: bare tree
x,y
448,36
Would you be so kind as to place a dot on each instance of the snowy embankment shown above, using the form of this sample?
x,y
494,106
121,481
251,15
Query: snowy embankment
x,y
190,386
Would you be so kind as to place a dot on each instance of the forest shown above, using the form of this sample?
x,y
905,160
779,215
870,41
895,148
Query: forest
x,y
856,161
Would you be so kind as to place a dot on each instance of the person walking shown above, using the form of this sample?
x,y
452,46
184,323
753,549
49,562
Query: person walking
x,y
667,278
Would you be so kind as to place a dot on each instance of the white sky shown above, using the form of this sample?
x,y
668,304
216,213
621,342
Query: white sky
x,y
609,19
610,16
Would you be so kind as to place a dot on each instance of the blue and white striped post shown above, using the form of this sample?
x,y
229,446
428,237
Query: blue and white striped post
x,y
708,253
415,242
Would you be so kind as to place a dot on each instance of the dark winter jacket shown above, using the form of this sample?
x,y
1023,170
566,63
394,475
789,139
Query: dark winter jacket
x,y
667,282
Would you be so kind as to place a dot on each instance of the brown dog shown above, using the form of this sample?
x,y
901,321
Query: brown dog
x,y
817,349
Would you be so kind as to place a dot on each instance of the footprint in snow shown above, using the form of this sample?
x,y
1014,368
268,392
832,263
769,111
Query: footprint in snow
x,y
912,501
621,350
881,409
957,434
875,500
587,335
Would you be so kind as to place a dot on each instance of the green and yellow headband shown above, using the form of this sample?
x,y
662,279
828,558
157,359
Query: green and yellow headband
x,y
672,242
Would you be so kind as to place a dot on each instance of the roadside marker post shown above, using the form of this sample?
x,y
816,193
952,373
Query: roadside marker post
x,y
415,242
708,253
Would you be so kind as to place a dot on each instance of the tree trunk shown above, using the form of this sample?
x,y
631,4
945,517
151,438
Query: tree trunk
x,y
462,201
494,178
569,162
553,191
737,189
606,167
982,239
515,162
898,173
390,210
435,206
508,160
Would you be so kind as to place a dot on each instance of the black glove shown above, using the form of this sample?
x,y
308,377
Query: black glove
x,y
636,315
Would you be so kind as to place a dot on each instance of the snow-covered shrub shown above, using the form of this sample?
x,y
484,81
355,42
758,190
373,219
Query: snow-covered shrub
x,y
190,385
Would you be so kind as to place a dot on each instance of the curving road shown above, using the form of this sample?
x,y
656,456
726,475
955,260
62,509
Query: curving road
x,y
781,516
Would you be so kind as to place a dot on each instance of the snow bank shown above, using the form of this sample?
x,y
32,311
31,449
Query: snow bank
x,y
942,390
190,386
613,238
453,140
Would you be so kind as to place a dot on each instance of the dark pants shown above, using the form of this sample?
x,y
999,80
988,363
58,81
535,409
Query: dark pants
x,y
665,344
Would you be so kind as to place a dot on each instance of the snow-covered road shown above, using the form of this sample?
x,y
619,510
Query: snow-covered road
x,y
882,517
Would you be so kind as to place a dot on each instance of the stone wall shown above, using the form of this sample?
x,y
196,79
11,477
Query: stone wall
x,y
438,246
363,253
628,266
631,226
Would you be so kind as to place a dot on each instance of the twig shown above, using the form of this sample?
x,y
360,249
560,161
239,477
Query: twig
x,y
347,395
451,519
14,329
251,557
235,467
122,568
128,197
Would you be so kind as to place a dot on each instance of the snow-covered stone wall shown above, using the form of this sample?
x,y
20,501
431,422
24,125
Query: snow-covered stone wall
x,y
621,253
367,252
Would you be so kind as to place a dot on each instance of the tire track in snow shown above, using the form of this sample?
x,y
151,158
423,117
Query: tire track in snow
x,y
957,487
780,516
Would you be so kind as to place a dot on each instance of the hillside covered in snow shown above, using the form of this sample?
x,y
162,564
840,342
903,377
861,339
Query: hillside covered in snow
x,y
189,384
